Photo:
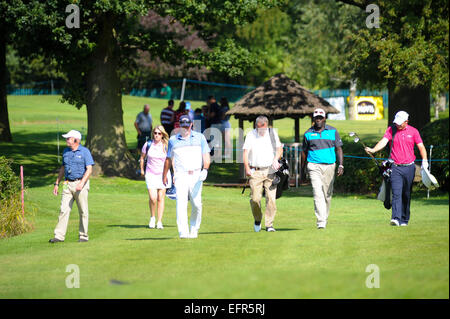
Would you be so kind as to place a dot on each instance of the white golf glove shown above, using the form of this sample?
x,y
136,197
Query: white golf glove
x,y
425,164
203,174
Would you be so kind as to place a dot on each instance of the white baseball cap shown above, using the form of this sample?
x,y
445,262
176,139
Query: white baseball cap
x,y
400,117
319,112
74,134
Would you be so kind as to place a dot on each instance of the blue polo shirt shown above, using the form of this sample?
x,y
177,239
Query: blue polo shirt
x,y
321,146
75,162
187,154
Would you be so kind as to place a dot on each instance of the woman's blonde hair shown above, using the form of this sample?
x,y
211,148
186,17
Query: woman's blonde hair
x,y
165,136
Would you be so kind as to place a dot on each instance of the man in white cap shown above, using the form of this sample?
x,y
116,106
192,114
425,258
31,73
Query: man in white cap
x,y
404,137
322,147
76,168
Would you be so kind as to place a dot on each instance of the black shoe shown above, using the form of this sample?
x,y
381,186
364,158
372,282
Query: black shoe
x,y
82,240
55,240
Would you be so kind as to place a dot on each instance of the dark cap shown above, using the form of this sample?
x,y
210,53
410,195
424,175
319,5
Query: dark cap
x,y
185,121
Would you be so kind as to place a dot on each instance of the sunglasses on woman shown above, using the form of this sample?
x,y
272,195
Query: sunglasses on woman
x,y
157,133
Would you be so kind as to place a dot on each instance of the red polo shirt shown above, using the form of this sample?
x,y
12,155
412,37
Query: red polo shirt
x,y
404,140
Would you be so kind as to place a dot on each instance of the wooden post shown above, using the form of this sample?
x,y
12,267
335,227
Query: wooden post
x,y
21,182
297,130
239,150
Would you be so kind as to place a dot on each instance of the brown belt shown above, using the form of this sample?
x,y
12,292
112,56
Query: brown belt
x,y
259,168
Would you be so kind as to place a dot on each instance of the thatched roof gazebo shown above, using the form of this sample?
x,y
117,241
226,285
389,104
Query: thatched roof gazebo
x,y
277,98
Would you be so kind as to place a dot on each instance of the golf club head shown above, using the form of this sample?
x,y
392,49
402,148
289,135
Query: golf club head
x,y
356,139
351,134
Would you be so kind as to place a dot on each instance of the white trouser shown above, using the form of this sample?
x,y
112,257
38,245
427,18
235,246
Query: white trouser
x,y
188,185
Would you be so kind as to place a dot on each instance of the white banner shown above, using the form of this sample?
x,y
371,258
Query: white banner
x,y
339,103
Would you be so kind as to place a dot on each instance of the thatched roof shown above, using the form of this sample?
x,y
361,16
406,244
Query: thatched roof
x,y
277,98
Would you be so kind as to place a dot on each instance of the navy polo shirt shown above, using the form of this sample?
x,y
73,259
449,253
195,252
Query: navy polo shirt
x,y
321,146
75,162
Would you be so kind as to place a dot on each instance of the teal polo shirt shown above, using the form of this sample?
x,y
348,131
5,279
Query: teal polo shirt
x,y
321,145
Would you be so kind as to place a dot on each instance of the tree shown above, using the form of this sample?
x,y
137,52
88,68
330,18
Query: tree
x,y
408,53
317,47
109,38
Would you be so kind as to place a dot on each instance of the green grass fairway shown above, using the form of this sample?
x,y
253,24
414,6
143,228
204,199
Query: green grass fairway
x,y
228,259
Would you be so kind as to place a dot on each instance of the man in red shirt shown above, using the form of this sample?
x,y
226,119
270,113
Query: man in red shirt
x,y
403,169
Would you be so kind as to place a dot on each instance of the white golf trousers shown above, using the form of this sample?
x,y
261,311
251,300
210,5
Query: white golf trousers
x,y
322,179
188,186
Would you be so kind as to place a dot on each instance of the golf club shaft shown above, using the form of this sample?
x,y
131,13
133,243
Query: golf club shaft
x,y
364,145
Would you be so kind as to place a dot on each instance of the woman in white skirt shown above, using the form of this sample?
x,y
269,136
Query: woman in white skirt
x,y
156,156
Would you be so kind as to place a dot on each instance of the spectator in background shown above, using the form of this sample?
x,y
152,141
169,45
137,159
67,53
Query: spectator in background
x,y
168,117
178,114
190,112
166,91
143,125
216,122
226,126
214,112
199,121
205,113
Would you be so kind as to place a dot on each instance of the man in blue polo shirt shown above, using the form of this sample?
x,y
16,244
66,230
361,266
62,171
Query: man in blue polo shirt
x,y
321,143
188,153
76,169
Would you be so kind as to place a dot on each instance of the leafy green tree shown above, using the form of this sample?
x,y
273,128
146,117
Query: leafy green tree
x,y
317,45
109,38
408,53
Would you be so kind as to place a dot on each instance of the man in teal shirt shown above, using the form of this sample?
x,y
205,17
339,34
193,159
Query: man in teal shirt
x,y
166,91
322,146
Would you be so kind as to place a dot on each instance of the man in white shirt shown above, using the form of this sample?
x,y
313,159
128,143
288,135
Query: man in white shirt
x,y
262,150
188,152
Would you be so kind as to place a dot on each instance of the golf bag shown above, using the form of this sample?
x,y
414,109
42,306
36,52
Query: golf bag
x,y
386,170
281,180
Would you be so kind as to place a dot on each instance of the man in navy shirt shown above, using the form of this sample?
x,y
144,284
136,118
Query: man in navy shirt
x,y
76,169
321,143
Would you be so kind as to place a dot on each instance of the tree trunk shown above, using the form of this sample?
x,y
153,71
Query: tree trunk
x,y
106,137
351,101
413,100
5,131
439,105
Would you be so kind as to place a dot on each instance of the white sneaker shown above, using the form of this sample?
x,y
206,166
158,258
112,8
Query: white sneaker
x,y
183,236
403,224
193,234
152,222
257,228
159,225
394,222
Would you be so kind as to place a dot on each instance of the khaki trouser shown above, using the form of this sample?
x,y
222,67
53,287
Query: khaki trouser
x,y
68,196
322,179
257,181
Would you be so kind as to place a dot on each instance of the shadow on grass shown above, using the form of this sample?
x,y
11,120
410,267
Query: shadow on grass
x,y
155,238
36,154
136,226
